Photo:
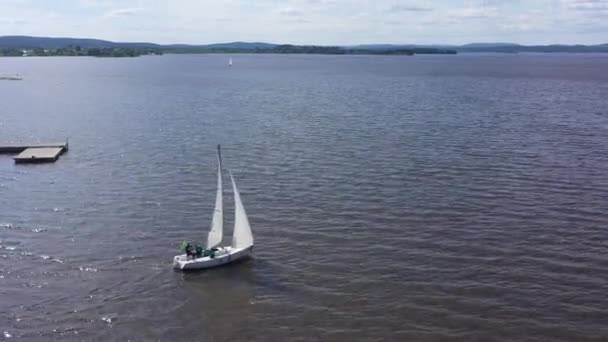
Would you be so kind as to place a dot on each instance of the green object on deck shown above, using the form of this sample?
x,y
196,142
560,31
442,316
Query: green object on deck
x,y
210,252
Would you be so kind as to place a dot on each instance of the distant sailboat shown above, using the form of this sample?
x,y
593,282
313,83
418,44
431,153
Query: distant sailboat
x,y
242,237
230,62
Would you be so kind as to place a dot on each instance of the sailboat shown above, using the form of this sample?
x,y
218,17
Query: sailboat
x,y
230,62
242,237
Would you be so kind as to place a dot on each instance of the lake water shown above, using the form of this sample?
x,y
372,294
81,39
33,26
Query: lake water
x,y
425,198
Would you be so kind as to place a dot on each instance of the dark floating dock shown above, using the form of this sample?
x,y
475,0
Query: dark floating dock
x,y
43,153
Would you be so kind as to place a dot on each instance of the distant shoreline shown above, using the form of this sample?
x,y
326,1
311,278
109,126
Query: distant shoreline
x,y
49,46
280,49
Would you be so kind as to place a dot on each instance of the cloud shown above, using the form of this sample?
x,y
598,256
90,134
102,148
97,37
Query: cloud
x,y
407,8
95,3
588,5
474,12
324,22
588,8
122,12
521,23
297,21
13,21
291,12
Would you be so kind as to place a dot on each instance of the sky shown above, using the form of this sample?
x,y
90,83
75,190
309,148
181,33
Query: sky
x,y
322,22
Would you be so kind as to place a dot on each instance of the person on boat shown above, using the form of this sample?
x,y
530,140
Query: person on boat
x,y
199,251
188,249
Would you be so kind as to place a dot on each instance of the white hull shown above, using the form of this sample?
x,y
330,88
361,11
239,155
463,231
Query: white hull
x,y
225,255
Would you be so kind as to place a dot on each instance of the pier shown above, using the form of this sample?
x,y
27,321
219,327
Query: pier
x,y
40,153
11,78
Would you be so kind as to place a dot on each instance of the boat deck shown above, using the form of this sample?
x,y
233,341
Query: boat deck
x,y
10,78
35,153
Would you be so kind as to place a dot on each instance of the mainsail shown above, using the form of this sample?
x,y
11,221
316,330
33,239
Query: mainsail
x,y
217,222
242,236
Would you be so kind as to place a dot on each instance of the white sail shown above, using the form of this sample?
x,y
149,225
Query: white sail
x,y
217,222
242,236
230,61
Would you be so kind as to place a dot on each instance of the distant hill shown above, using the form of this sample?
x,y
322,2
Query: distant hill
x,y
399,46
49,43
376,46
232,45
488,45
516,48
241,45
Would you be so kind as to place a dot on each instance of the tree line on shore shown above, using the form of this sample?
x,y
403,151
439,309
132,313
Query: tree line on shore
x,y
79,51
278,49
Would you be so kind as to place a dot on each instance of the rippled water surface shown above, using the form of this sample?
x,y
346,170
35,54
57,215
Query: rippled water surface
x,y
424,198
